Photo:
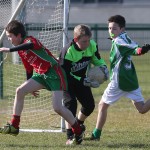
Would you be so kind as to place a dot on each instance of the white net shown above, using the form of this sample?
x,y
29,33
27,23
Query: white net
x,y
44,20
4,6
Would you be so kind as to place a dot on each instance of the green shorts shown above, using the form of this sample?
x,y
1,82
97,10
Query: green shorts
x,y
53,80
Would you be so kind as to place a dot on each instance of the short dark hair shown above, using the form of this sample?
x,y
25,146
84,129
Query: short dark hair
x,y
16,27
120,20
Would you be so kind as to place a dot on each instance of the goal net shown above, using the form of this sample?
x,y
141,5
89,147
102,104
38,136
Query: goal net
x,y
47,21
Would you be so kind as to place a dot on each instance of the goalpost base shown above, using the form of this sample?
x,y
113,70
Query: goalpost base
x,y
41,130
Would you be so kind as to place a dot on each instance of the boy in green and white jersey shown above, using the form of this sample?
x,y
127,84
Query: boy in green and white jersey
x,y
123,78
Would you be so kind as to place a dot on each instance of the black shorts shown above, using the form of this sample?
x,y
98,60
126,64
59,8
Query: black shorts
x,y
77,91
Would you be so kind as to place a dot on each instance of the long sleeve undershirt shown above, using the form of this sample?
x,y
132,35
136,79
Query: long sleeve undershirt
x,y
24,46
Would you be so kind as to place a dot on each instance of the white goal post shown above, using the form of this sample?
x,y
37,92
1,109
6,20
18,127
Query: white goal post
x,y
47,20
14,15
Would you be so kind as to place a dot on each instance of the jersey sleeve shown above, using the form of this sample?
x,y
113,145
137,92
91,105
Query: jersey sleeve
x,y
127,47
96,58
24,46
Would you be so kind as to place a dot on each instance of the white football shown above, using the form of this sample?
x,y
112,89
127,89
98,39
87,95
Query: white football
x,y
95,74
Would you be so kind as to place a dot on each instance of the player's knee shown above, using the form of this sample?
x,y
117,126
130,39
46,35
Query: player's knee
x,y
141,107
100,106
142,111
103,106
88,110
19,91
58,110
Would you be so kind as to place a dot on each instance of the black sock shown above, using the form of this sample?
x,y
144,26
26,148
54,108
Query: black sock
x,y
69,133
79,121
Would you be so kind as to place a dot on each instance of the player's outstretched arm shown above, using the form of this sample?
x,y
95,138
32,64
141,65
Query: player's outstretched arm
x,y
24,46
4,49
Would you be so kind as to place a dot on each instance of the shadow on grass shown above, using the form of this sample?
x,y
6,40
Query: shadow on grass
x,y
16,146
50,147
88,146
115,146
121,145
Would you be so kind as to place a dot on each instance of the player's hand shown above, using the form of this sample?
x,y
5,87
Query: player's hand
x,y
4,49
145,48
105,71
88,82
35,93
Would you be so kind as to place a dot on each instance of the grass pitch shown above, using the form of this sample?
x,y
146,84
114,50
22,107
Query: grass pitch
x,y
125,128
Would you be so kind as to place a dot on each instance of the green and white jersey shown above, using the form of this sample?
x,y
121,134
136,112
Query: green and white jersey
x,y
122,70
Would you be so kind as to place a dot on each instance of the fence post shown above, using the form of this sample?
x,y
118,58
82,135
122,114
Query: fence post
x,y
1,76
95,33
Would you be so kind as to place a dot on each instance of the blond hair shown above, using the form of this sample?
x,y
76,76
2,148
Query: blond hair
x,y
82,30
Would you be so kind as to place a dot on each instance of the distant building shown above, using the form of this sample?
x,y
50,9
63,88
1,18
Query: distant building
x,y
98,11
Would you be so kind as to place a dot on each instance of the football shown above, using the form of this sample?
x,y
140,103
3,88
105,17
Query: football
x,y
95,74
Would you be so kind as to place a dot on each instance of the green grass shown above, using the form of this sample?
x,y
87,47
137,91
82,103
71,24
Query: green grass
x,y
125,128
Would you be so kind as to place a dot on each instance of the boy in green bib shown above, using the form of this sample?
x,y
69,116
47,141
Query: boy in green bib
x,y
76,58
